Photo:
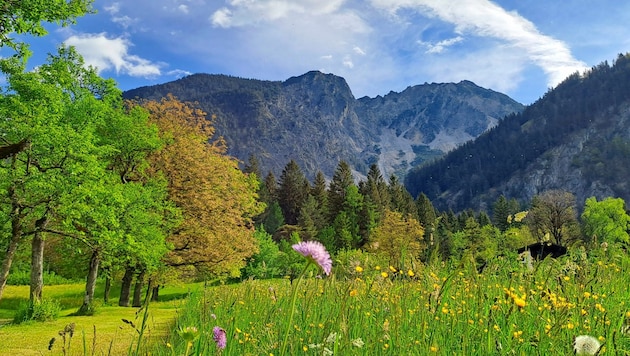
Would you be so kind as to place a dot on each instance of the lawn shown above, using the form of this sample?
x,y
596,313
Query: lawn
x,y
102,334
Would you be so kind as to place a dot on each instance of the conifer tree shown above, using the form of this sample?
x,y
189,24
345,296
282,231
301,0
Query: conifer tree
x,y
292,192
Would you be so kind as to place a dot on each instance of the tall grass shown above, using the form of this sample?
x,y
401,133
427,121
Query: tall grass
x,y
437,309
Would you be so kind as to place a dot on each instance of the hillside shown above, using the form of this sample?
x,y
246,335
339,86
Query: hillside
x,y
315,120
575,138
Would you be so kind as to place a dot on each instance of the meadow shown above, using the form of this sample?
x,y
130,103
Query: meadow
x,y
362,308
438,309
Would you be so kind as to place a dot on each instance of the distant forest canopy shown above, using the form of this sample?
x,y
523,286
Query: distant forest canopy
x,y
468,176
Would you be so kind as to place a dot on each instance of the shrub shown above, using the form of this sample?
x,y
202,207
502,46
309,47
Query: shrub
x,y
23,278
46,310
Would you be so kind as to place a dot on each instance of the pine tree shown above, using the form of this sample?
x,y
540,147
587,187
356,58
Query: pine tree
x,y
293,191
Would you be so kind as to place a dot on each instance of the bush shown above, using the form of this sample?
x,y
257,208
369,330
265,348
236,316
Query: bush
x,y
23,278
46,310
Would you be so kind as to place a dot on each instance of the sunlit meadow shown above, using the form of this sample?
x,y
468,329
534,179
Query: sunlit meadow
x,y
365,308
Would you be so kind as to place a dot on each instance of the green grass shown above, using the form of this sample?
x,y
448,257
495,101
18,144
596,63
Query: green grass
x,y
441,310
104,332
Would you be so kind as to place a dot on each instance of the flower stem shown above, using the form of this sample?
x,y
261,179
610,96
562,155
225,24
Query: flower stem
x,y
293,299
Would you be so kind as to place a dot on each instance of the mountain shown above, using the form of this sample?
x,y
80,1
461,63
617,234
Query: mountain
x,y
575,138
315,120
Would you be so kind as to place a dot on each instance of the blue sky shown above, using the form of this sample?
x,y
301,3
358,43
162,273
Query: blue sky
x,y
517,47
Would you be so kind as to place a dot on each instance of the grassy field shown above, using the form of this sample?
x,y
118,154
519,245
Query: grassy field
x,y
102,334
363,309
436,309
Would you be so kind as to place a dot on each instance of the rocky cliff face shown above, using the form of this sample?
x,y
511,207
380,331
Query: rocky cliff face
x,y
315,120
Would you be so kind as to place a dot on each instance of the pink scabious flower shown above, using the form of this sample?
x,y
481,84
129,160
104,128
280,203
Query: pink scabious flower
x,y
315,252
219,337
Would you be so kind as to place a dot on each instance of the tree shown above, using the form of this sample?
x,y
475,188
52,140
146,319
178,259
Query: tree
x,y
293,191
553,213
426,216
217,201
375,190
338,188
57,110
399,237
26,17
606,220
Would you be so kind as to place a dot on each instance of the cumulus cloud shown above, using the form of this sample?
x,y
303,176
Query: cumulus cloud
x,y
105,53
486,19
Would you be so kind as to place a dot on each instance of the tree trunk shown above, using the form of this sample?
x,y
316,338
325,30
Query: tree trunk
x,y
6,263
37,261
137,290
37,268
90,284
125,288
108,288
155,293
16,236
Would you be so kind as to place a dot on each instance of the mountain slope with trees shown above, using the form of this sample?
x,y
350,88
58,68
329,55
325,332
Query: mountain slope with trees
x,y
315,120
575,138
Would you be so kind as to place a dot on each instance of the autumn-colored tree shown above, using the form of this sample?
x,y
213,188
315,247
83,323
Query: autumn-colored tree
x,y
399,238
217,201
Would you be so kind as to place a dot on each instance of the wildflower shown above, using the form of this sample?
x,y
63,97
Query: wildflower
x,y
353,293
219,336
384,274
189,333
433,349
358,343
410,273
586,345
520,302
359,269
393,269
315,252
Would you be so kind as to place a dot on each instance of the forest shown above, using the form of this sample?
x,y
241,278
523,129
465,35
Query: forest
x,y
519,139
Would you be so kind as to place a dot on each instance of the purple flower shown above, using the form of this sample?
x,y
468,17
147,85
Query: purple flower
x,y
315,252
219,337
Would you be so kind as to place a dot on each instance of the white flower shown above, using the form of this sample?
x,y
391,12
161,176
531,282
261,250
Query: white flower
x,y
358,342
586,345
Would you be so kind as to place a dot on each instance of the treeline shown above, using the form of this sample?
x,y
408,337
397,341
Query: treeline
x,y
380,217
519,139
95,186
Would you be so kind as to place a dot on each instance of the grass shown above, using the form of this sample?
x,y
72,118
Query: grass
x,y
104,333
437,309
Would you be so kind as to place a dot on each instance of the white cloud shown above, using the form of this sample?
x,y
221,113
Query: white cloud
x,y
113,8
442,45
183,8
486,19
358,51
247,12
106,53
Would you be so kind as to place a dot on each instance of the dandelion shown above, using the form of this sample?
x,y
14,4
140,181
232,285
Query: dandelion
x,y
586,345
219,336
315,252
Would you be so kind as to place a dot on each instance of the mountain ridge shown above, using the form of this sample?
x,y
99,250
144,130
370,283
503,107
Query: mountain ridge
x,y
315,120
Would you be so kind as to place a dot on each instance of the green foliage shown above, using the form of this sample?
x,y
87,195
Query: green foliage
x,y
266,263
606,221
45,310
23,278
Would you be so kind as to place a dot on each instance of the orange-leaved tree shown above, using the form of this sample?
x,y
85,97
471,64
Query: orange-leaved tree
x,y
217,200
